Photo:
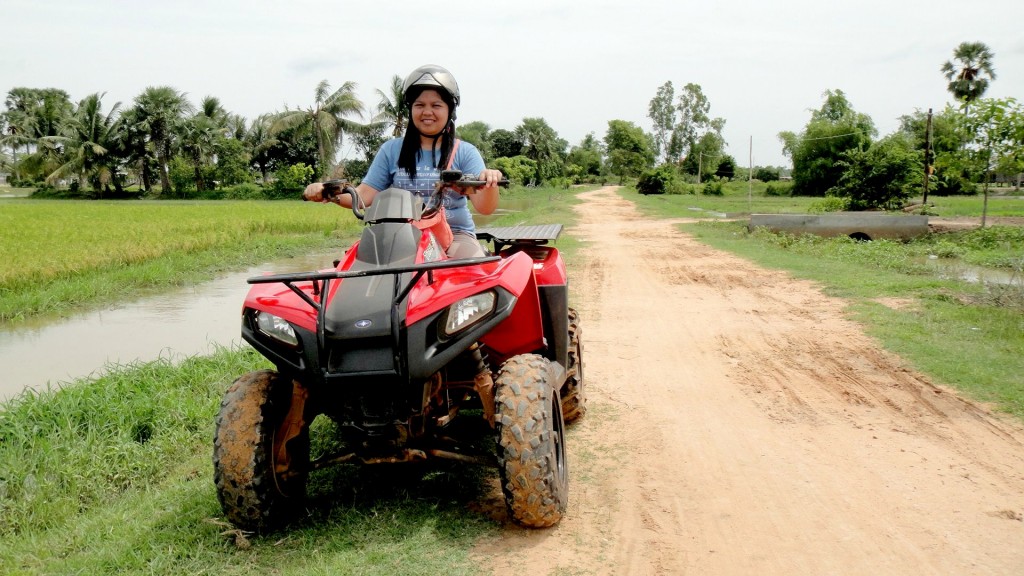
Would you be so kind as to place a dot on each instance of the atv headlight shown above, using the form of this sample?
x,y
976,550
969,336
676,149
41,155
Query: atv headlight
x,y
467,312
277,328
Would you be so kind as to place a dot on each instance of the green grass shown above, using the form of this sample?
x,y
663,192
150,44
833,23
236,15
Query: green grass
x,y
1007,203
63,255
741,199
114,476
962,334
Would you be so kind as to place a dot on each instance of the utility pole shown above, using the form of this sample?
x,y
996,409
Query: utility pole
x,y
927,156
700,163
750,173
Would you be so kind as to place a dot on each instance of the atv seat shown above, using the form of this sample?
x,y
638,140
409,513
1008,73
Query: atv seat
x,y
533,235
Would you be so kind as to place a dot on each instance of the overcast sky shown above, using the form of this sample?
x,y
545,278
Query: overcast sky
x,y
575,63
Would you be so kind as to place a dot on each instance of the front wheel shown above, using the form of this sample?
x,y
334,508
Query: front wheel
x,y
261,450
531,442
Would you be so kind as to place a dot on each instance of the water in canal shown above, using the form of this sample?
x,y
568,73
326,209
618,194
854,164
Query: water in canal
x,y
179,323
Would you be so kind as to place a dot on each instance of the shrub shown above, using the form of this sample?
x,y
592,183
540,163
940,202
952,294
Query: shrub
x,y
657,181
829,204
714,188
767,174
291,181
883,176
244,192
779,189
518,169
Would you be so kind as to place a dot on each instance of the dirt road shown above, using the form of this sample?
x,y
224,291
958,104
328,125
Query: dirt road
x,y
739,424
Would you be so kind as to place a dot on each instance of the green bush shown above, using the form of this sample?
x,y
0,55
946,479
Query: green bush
x,y
714,188
779,189
829,204
291,181
518,169
244,192
657,181
767,174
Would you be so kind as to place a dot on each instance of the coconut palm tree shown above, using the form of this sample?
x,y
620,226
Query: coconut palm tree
x,y
162,109
970,71
260,142
326,119
86,142
392,107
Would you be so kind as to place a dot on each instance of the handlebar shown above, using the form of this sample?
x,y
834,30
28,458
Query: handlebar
x,y
332,188
456,179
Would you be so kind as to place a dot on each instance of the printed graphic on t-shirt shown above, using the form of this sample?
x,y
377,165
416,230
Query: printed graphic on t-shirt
x,y
423,185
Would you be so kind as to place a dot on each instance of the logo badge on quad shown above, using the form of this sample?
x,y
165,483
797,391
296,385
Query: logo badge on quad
x,y
363,323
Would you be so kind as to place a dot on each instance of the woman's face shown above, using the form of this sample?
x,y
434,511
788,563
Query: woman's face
x,y
429,113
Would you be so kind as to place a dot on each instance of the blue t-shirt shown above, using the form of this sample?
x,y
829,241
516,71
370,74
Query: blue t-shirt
x,y
384,173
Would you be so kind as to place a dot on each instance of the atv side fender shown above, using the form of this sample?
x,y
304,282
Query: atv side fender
x,y
523,331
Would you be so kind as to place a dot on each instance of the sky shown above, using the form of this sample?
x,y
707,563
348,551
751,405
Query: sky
x,y
575,63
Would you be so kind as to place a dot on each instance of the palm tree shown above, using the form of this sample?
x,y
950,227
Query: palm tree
x,y
86,143
132,134
260,142
392,107
199,135
326,119
972,71
162,108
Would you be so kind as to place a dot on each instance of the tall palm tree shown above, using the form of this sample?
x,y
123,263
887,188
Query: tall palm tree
x,y
326,118
260,142
162,109
131,143
86,142
199,135
392,107
970,74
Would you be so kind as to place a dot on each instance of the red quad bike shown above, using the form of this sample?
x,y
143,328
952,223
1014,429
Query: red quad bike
x,y
396,344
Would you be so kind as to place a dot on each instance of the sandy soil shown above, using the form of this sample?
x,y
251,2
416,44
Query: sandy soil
x,y
740,424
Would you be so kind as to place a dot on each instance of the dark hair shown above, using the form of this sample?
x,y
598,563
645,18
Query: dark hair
x,y
411,149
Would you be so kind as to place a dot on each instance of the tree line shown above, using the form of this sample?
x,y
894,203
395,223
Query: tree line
x,y
163,144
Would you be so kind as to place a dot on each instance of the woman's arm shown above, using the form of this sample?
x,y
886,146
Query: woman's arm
x,y
485,199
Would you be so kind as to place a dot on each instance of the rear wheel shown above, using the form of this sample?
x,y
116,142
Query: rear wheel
x,y
531,442
574,397
261,450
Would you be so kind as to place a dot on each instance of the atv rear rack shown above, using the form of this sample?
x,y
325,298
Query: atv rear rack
x,y
533,235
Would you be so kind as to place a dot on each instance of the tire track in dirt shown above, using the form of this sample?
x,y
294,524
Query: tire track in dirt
x,y
740,424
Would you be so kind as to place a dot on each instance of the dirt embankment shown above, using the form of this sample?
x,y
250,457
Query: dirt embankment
x,y
739,424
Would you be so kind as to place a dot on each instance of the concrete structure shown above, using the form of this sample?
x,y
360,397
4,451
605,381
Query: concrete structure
x,y
856,225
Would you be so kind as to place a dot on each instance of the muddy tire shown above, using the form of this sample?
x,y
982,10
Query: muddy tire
x,y
531,442
253,496
574,397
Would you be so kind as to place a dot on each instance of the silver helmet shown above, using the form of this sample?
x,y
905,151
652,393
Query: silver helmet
x,y
431,76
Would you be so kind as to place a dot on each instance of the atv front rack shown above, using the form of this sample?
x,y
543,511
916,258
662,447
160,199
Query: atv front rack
x,y
534,235
321,280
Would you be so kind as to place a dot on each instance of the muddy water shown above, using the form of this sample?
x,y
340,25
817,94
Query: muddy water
x,y
956,270
176,324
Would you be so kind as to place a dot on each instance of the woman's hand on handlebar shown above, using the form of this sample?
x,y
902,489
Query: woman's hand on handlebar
x,y
315,193
491,177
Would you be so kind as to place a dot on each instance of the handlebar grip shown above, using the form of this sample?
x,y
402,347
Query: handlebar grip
x,y
332,188
504,183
